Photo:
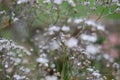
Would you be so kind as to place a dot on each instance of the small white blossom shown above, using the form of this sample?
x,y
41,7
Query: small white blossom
x,y
69,20
87,3
115,1
71,2
15,19
42,60
18,77
46,1
117,10
65,28
77,21
91,38
118,4
100,27
17,61
72,42
96,74
93,49
58,1
2,12
106,56
93,24
51,77
54,28
90,22
90,69
53,45
116,65
22,1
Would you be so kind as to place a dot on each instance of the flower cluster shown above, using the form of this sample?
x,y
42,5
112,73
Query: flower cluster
x,y
63,44
11,56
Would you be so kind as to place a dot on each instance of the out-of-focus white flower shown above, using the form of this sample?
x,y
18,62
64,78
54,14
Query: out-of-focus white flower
x,y
92,49
18,77
90,22
26,70
72,42
15,19
90,69
96,74
93,24
116,65
87,3
42,60
53,45
117,10
46,1
52,65
2,12
91,38
115,1
100,27
71,2
58,1
69,20
65,28
6,65
77,21
51,77
118,4
54,28
21,1
106,56
17,61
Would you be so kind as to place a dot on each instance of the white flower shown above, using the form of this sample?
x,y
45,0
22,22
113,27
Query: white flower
x,y
93,49
69,20
72,42
15,19
46,1
115,1
54,28
100,27
65,28
51,77
118,4
117,10
17,61
2,12
53,45
77,21
91,38
42,60
87,3
58,1
90,22
22,1
71,2
90,69
18,77
93,24
96,74
106,56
